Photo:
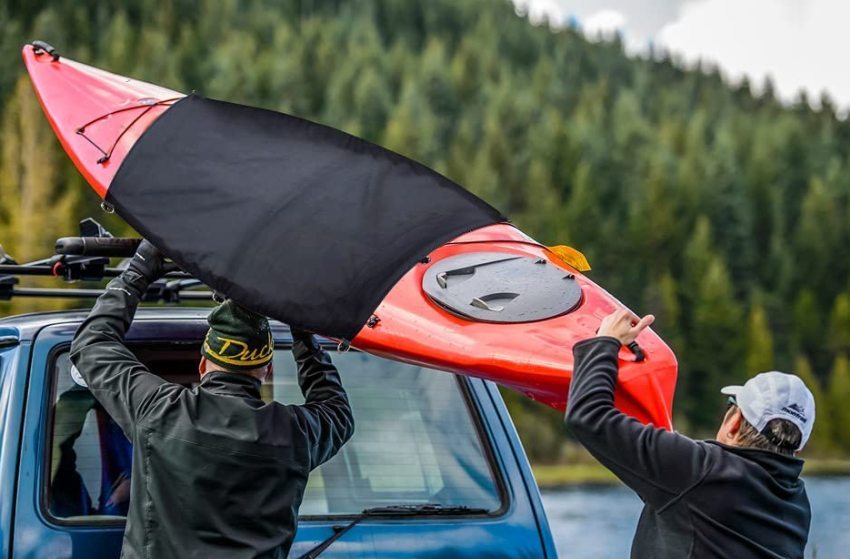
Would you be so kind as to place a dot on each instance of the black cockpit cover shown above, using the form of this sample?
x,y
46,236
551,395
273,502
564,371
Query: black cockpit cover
x,y
295,220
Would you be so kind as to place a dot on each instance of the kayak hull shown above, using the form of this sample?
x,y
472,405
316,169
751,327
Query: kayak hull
x,y
533,358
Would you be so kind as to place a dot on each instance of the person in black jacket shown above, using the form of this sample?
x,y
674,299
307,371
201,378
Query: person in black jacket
x,y
217,472
737,497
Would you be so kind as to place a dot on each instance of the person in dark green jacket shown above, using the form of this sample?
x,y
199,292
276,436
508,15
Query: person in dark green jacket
x,y
217,472
737,497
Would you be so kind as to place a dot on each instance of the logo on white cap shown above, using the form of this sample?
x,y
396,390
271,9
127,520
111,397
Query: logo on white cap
x,y
775,395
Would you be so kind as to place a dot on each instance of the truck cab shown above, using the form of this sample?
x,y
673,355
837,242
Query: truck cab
x,y
435,456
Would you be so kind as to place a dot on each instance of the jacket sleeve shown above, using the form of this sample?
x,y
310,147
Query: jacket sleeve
x,y
326,415
122,385
657,464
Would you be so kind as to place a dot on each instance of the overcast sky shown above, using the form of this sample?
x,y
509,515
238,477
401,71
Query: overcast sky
x,y
802,44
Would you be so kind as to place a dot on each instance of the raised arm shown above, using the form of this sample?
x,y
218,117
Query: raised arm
x,y
655,463
326,414
122,385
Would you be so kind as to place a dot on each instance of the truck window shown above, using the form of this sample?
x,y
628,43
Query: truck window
x,y
417,441
90,458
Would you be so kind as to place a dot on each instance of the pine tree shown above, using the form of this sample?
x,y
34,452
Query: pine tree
x,y
36,209
816,238
808,323
714,356
821,440
697,256
839,325
661,298
838,397
583,212
542,216
411,127
759,342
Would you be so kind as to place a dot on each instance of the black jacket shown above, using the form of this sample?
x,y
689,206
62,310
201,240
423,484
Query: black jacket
x,y
216,471
702,499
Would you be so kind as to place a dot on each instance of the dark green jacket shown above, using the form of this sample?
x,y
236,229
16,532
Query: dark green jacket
x,y
216,471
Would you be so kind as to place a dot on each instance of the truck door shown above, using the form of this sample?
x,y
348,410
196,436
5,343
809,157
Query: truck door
x,y
73,482
74,469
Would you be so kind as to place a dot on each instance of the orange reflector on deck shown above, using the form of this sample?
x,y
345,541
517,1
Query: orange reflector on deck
x,y
571,256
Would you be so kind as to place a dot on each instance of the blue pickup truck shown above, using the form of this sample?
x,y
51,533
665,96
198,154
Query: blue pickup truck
x,y
435,457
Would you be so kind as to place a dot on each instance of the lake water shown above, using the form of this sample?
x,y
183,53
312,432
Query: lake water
x,y
599,522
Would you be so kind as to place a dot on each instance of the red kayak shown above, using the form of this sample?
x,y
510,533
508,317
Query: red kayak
x,y
491,302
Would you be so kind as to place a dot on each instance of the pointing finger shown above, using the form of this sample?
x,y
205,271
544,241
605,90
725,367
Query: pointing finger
x,y
644,322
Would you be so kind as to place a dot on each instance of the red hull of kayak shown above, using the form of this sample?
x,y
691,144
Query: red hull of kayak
x,y
534,358
98,117
116,110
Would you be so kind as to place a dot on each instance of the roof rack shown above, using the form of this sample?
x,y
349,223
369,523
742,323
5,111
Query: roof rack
x,y
87,258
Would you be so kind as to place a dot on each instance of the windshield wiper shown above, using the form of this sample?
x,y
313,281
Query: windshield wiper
x,y
425,509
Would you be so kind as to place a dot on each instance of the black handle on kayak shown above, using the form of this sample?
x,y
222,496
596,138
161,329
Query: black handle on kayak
x,y
40,46
97,246
638,351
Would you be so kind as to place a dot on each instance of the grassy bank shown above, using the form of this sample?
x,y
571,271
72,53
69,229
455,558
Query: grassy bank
x,y
567,475
564,475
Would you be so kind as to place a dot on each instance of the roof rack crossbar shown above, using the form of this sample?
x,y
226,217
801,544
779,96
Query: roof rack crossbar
x,y
87,259
39,269
153,295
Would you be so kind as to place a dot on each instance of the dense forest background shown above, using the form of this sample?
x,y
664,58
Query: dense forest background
x,y
711,204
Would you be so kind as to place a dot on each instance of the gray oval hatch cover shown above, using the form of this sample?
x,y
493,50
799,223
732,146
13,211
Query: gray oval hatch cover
x,y
501,287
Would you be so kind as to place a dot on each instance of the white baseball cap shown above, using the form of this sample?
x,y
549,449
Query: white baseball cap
x,y
775,395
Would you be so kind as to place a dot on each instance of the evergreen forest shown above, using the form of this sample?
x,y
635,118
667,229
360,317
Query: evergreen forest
x,y
713,204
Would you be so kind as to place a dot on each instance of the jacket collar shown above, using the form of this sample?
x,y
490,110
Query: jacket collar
x,y
231,384
784,469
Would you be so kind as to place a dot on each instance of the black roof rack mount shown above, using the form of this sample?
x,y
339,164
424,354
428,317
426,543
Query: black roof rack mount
x,y
87,258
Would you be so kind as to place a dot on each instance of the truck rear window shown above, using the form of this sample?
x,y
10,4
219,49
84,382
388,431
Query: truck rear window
x,y
417,441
